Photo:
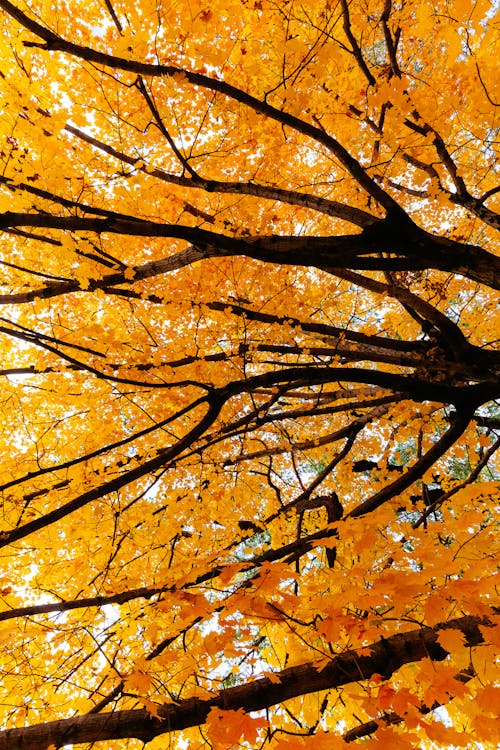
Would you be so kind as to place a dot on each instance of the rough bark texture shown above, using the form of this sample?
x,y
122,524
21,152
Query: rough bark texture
x,y
384,658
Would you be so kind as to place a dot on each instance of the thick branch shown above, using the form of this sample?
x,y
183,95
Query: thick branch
x,y
384,657
411,248
456,429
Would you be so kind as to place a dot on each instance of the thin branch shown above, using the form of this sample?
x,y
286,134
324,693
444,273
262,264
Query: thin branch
x,y
293,197
457,428
53,42
113,15
355,48
163,457
470,479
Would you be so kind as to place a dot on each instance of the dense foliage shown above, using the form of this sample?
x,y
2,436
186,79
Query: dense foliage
x,y
250,374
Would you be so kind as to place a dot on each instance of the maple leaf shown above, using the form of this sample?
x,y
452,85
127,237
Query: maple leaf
x,y
152,707
321,740
438,732
226,728
451,640
388,737
139,682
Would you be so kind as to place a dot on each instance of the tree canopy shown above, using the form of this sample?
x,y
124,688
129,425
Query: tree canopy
x,y
250,374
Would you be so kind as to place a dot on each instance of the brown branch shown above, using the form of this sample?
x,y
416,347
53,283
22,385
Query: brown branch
x,y
461,197
323,330
113,15
412,248
332,437
163,457
146,592
37,340
60,200
448,331
347,352
355,48
370,727
390,43
420,390
99,452
186,167
383,657
470,479
491,101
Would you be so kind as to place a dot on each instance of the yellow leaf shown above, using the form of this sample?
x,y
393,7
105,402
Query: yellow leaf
x,y
446,736
226,728
138,682
152,707
272,677
451,639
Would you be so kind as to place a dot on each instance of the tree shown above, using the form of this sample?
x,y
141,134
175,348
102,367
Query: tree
x,y
249,374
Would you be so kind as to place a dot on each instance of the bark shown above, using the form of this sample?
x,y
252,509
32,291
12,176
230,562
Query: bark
x,y
406,246
384,658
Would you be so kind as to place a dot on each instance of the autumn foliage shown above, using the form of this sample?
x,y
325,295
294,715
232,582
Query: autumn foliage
x,y
250,374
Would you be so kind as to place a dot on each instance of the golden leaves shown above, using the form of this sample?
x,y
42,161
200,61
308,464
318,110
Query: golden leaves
x,y
451,640
321,740
228,728
139,682
207,527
